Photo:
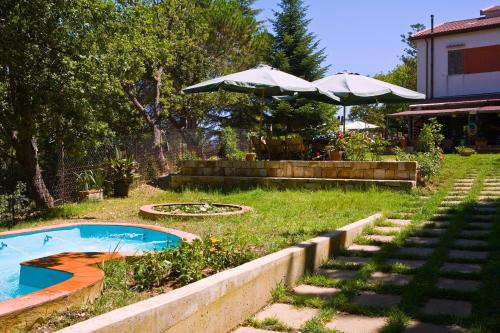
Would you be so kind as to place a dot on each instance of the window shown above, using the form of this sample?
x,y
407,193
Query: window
x,y
455,62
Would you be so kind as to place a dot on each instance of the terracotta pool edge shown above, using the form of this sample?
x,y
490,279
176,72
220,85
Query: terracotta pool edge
x,y
85,285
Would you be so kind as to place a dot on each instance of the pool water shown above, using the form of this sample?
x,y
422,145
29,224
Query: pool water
x,y
14,249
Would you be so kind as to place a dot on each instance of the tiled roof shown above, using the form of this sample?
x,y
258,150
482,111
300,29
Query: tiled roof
x,y
454,27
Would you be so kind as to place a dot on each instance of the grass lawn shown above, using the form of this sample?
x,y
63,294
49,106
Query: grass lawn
x,y
279,219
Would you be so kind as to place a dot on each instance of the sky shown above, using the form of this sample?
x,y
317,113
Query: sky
x,y
363,36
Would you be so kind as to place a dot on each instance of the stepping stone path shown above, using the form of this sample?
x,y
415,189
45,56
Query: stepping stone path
x,y
289,315
436,306
347,323
374,300
338,274
458,273
313,291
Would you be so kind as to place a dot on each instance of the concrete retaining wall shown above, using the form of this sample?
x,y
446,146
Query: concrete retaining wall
x,y
221,302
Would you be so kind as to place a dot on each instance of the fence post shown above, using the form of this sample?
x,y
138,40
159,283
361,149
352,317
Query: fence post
x,y
62,178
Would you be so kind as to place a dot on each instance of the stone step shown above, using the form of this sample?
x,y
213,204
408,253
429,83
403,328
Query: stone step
x,y
475,233
400,222
478,225
352,260
419,252
488,198
246,329
422,240
364,248
436,306
430,231
348,323
436,224
418,327
338,274
490,193
457,285
469,243
411,263
289,315
374,300
483,217
442,217
450,203
395,279
387,230
485,210
314,291
379,238
468,255
452,267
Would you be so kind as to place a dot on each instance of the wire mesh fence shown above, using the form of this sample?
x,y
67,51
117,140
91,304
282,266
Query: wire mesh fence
x,y
61,169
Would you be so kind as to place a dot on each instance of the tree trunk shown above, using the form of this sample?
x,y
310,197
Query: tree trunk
x,y
158,147
27,157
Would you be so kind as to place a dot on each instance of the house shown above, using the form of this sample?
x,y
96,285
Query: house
x,y
458,68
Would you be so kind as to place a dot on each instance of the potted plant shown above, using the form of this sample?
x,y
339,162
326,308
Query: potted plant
x,y
90,184
250,156
123,169
464,151
335,149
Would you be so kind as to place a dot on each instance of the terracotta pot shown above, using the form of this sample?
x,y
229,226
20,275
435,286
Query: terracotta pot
x,y
250,156
335,155
93,195
121,188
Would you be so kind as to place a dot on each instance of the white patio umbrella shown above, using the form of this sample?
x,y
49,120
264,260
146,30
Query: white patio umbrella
x,y
356,89
263,81
359,125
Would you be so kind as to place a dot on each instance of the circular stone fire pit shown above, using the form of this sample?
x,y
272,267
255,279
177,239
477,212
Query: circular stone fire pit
x,y
189,210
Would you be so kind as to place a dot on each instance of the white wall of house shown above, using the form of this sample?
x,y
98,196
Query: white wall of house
x,y
461,84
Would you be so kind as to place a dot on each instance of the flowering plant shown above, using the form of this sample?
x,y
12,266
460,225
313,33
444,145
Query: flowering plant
x,y
338,142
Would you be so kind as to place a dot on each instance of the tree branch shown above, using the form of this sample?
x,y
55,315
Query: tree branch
x,y
128,90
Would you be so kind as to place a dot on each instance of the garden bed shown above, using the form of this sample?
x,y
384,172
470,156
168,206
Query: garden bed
x,y
190,210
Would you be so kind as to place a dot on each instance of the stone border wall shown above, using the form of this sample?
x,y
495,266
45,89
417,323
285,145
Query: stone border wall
x,y
222,301
390,170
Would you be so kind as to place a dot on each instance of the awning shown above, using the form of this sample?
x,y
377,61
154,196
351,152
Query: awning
x,y
448,112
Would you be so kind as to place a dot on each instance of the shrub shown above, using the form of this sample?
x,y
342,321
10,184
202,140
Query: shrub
x,y
15,205
90,180
228,145
186,263
430,136
189,155
429,163
464,151
357,147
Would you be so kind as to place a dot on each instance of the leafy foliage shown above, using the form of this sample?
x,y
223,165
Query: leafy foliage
x,y
15,205
430,156
296,51
186,263
228,145
90,179
123,168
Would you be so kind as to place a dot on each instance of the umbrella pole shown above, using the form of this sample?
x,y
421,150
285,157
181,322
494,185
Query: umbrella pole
x,y
261,124
343,122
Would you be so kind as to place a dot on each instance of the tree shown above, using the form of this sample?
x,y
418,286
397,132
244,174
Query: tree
x,y
171,44
404,74
51,76
296,51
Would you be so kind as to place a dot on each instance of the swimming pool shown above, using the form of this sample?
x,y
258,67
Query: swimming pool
x,y
17,280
